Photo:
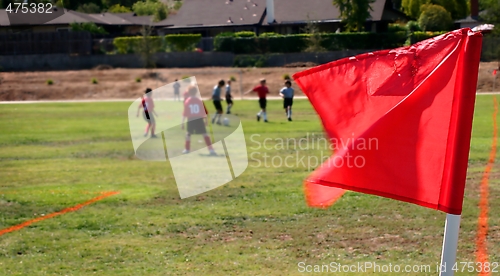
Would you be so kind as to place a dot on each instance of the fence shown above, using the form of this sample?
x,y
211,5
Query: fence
x,y
79,43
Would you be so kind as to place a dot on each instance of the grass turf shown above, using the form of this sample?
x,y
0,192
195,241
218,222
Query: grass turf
x,y
54,156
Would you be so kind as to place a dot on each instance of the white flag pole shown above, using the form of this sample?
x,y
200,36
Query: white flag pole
x,y
450,244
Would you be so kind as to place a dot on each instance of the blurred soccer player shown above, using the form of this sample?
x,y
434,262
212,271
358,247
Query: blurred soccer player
x,y
217,101
229,97
177,94
196,115
148,113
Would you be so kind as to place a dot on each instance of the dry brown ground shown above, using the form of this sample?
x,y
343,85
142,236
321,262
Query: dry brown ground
x,y
121,83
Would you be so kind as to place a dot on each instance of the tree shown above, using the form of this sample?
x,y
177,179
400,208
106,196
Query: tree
x,y
147,47
117,8
457,8
435,18
354,13
314,39
157,9
125,3
89,8
492,14
90,27
177,5
412,7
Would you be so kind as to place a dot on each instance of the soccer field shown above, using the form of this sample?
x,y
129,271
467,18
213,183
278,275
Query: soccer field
x,y
58,155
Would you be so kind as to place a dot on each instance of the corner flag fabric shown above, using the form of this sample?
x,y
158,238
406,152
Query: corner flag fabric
x,y
400,121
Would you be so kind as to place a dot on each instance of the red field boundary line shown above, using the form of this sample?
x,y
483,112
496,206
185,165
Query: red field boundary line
x,y
482,227
64,211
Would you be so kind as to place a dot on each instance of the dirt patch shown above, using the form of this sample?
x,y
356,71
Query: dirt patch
x,y
122,83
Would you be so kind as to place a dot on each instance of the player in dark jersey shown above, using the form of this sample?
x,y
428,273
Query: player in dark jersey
x,y
196,115
147,106
229,97
177,94
216,97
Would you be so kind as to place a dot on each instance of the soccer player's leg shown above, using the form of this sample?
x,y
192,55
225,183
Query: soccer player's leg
x,y
218,107
153,126
199,128
187,145
263,105
145,116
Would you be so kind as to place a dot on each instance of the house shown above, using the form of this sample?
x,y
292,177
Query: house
x,y
472,20
113,23
211,17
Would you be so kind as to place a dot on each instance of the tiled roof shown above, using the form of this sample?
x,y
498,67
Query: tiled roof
x,y
107,18
216,13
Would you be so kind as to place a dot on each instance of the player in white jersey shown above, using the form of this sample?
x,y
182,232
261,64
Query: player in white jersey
x,y
217,101
287,94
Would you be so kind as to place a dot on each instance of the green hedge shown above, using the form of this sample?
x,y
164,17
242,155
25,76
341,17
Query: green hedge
x,y
419,36
183,42
245,34
270,34
128,45
299,42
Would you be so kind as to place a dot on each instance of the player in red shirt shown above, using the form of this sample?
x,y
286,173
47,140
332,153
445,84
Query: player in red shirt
x,y
147,106
196,114
262,92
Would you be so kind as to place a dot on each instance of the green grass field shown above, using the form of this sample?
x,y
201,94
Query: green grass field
x,y
56,155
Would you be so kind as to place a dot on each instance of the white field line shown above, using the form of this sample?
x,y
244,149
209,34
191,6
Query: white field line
x,y
236,98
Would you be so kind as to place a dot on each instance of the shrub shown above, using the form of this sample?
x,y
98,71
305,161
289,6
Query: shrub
x,y
128,45
434,18
419,36
90,27
270,34
49,82
245,34
223,41
156,8
117,8
226,34
413,26
94,81
232,78
137,79
183,42
89,8
286,77
395,27
300,42
287,44
177,5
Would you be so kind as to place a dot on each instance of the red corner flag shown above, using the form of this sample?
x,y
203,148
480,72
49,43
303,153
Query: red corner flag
x,y
400,121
